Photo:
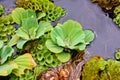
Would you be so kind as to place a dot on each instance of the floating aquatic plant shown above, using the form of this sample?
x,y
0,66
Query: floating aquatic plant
x,y
117,14
6,28
47,7
30,29
117,19
68,36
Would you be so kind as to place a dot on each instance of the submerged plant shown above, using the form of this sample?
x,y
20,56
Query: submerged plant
x,y
51,11
6,28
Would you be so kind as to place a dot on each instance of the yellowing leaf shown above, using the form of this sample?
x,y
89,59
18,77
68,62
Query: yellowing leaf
x,y
24,62
7,68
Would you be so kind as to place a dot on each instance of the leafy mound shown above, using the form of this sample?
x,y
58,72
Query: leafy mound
x,y
99,69
6,28
51,11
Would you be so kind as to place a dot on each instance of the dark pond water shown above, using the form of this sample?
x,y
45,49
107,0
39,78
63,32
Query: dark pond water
x,y
91,17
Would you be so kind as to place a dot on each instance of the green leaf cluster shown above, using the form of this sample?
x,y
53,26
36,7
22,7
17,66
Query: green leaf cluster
x,y
30,28
69,35
1,9
6,28
99,69
47,7
42,56
15,66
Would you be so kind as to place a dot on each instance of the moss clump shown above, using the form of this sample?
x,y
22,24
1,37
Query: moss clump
x,y
52,11
99,69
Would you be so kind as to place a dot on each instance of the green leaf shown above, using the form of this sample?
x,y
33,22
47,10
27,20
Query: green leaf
x,y
71,25
60,41
53,47
24,62
57,32
40,15
1,44
22,33
82,46
21,43
30,25
43,27
63,57
77,37
89,36
14,40
5,53
17,15
28,14
7,68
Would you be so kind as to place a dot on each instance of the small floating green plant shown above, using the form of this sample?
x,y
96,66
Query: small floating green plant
x,y
71,36
7,30
51,11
